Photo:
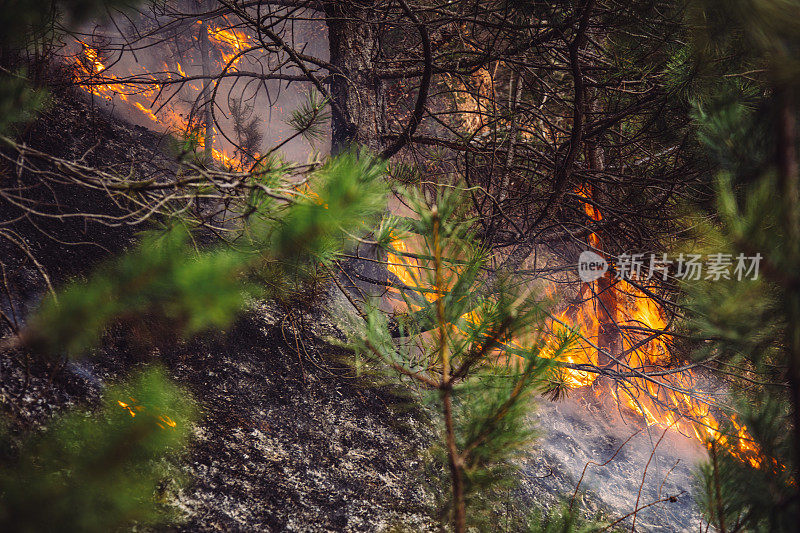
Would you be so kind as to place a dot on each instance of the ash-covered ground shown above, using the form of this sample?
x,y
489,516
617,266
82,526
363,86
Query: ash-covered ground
x,y
291,440
626,463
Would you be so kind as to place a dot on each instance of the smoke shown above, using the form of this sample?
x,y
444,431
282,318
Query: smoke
x,y
592,429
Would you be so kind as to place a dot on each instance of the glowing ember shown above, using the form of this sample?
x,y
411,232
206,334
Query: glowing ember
x,y
132,408
167,422
135,408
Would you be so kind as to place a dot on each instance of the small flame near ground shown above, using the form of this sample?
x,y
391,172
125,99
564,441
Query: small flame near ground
x,y
134,408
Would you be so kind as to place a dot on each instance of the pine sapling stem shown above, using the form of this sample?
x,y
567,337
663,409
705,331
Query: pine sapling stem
x,y
455,459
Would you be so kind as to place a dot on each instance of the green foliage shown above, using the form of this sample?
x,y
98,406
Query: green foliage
x,y
736,495
158,278
748,225
18,102
564,519
492,409
455,344
246,127
679,73
106,470
747,31
745,319
754,44
346,197
310,118
405,173
733,126
99,471
187,147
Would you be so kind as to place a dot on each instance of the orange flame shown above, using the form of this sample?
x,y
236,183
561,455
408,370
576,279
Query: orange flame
x,y
93,76
230,42
135,408
666,400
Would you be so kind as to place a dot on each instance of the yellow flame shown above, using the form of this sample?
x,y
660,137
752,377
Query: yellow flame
x,y
230,41
163,421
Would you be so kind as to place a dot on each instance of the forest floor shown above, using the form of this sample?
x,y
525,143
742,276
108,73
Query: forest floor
x,y
285,442
289,438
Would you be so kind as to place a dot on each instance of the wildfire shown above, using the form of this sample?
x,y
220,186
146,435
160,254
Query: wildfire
x,y
94,77
220,156
604,303
90,70
640,325
624,329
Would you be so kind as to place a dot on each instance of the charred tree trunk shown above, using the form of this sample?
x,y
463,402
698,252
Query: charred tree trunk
x,y
358,114
208,118
205,98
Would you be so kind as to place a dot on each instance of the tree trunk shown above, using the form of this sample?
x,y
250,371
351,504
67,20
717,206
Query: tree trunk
x,y
208,117
357,119
608,335
357,115
514,95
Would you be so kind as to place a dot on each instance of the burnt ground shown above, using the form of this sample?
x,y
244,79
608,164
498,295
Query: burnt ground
x,y
292,441
285,441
